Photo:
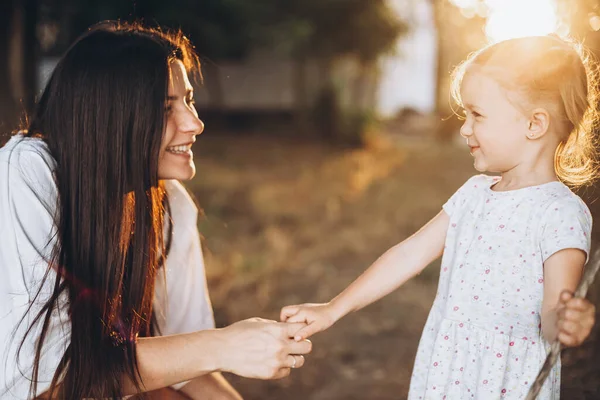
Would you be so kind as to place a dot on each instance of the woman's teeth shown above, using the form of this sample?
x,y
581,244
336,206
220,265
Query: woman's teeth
x,y
179,149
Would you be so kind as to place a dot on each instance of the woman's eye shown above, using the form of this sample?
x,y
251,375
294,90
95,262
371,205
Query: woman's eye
x,y
476,114
191,101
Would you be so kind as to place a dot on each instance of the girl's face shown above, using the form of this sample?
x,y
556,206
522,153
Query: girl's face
x,y
176,160
495,129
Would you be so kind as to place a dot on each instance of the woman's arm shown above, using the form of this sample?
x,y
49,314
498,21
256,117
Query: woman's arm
x,y
253,348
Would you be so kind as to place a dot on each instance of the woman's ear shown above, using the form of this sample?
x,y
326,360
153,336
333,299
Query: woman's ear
x,y
539,123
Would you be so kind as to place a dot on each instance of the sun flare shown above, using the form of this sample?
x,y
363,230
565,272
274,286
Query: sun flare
x,y
507,19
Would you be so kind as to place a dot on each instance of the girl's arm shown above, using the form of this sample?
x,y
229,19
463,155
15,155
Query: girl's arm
x,y
562,272
390,271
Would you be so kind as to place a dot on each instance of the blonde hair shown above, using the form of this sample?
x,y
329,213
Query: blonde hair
x,y
559,74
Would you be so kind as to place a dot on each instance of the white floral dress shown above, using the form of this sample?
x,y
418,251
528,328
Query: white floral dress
x,y
482,339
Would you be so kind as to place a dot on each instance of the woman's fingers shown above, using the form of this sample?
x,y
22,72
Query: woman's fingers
x,y
294,361
301,347
263,349
282,373
289,329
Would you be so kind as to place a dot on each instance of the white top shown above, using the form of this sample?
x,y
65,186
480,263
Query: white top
x,y
27,203
482,339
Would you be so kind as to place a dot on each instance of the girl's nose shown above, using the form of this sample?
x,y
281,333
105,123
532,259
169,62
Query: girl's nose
x,y
466,130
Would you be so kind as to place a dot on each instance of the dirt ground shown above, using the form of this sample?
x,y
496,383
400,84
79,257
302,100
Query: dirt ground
x,y
289,221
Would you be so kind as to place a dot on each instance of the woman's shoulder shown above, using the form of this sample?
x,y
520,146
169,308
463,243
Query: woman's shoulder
x,y
26,168
26,154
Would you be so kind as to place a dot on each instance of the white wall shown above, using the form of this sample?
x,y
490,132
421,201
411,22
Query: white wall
x,y
409,78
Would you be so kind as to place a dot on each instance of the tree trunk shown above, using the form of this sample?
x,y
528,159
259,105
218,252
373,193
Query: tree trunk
x,y
364,88
327,115
441,103
30,54
299,83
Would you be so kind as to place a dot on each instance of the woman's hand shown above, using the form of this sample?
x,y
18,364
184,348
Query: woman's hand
x,y
317,318
576,318
262,349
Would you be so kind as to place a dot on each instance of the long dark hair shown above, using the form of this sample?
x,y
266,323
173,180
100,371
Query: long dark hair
x,y
102,116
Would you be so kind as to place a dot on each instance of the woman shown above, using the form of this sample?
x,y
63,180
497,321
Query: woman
x,y
103,292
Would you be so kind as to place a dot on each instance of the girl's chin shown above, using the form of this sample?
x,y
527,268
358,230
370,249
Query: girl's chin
x,y
479,167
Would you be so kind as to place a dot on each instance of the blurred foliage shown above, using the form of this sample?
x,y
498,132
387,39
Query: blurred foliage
x,y
326,28
348,126
225,29
218,28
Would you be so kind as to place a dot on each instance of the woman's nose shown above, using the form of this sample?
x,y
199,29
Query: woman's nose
x,y
191,124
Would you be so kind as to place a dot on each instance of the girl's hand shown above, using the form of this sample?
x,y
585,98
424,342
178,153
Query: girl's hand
x,y
576,318
317,318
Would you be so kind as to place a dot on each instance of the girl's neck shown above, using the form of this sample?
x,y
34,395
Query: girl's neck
x,y
536,167
514,179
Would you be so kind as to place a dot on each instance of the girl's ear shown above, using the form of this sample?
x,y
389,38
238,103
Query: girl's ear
x,y
538,124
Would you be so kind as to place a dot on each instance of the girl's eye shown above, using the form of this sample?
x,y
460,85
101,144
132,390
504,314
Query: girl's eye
x,y
191,101
476,114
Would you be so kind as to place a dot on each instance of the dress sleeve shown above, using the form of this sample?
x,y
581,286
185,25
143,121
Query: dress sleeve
x,y
461,196
27,209
567,223
185,303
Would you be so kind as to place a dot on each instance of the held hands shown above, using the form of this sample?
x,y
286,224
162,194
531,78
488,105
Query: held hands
x,y
263,349
575,320
317,318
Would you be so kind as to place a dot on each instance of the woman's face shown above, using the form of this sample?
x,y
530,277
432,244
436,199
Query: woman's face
x,y
176,160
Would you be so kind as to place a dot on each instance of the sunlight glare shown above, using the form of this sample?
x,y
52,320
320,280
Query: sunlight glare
x,y
516,18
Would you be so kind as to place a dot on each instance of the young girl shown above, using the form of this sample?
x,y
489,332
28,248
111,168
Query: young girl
x,y
102,289
514,246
